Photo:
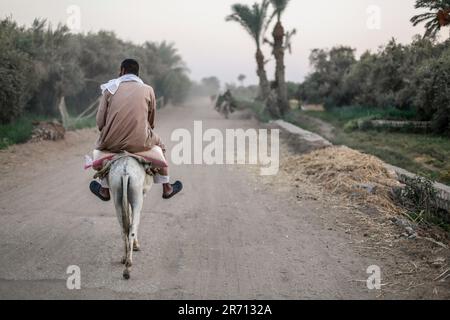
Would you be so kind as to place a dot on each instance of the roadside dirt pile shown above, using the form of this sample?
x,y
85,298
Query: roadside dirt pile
x,y
340,170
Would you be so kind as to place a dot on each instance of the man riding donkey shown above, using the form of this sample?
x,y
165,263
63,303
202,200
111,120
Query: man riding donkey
x,y
126,119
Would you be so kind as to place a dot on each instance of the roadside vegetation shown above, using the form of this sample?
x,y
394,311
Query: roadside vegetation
x,y
410,80
18,131
42,64
405,83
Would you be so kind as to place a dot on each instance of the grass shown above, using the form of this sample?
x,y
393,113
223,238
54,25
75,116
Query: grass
x,y
343,115
257,108
83,123
295,117
20,130
423,154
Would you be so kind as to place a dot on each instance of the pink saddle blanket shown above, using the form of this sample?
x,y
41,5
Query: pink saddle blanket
x,y
155,156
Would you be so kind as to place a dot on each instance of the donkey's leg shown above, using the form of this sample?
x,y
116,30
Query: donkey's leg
x,y
136,201
136,245
134,229
132,199
128,247
125,241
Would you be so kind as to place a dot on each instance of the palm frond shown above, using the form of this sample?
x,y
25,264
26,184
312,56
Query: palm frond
x,y
280,5
432,4
252,19
422,17
432,18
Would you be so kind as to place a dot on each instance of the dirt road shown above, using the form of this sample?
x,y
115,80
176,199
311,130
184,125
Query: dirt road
x,y
227,236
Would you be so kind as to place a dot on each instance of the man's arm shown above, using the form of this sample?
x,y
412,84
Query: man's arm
x,y
152,109
102,111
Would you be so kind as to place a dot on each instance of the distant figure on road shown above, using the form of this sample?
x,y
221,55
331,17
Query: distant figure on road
x,y
126,119
226,103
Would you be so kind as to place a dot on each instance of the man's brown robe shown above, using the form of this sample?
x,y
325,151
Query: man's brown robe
x,y
126,119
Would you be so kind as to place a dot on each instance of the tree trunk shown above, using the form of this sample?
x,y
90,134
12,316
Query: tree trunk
x,y
278,52
63,112
261,71
272,105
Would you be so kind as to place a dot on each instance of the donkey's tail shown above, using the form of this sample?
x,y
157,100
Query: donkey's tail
x,y
126,216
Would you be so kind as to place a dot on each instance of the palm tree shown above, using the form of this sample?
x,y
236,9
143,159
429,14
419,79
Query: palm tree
x,y
438,17
166,68
278,46
253,19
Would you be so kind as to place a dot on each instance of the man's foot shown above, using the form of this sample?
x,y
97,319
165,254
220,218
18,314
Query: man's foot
x,y
172,190
102,193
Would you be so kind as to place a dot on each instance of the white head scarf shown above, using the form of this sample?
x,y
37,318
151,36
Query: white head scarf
x,y
113,85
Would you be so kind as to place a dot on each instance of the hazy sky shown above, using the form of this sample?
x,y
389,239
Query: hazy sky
x,y
211,46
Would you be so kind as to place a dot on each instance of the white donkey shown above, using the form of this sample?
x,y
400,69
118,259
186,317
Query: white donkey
x,y
127,182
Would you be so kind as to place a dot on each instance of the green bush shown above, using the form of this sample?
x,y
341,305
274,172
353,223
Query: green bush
x,y
420,198
326,84
432,99
15,71
258,108
365,124
399,82
351,125
41,64
83,123
18,131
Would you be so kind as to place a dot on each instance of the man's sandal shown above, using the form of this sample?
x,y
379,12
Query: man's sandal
x,y
95,189
177,187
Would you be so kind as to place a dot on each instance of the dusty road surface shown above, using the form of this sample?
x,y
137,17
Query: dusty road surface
x,y
226,236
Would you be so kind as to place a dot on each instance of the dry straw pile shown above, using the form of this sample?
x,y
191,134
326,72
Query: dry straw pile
x,y
340,170
47,131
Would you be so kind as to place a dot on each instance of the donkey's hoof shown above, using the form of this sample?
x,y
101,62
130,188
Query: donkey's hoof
x,y
126,274
136,247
